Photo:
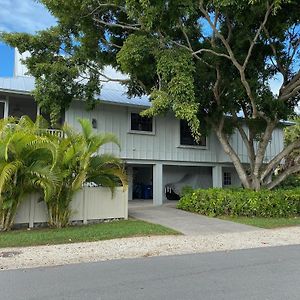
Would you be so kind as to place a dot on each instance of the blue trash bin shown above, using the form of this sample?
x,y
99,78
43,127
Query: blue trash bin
x,y
147,192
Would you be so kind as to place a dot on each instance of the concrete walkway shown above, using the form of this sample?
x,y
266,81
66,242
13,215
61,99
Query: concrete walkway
x,y
187,223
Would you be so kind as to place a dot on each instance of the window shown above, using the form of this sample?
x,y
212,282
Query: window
x,y
186,137
227,178
138,123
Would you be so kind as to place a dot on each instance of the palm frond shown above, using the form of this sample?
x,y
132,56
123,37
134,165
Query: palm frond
x,y
41,123
40,143
25,123
86,128
8,171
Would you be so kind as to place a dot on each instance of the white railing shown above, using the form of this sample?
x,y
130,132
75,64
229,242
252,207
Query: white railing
x,y
56,132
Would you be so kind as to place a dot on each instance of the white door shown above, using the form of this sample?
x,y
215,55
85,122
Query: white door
x,y
3,109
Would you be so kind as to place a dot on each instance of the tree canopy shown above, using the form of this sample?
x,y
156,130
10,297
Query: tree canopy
x,y
210,62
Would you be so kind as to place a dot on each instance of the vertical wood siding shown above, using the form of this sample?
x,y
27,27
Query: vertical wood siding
x,y
163,145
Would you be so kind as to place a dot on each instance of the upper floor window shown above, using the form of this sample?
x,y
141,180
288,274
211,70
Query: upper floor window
x,y
186,137
139,123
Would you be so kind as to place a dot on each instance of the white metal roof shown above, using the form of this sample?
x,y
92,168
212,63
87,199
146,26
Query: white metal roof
x,y
111,92
20,85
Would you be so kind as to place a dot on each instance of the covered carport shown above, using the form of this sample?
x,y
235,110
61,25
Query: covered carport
x,y
140,181
186,176
147,180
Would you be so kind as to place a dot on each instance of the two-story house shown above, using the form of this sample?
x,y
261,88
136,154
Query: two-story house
x,y
156,151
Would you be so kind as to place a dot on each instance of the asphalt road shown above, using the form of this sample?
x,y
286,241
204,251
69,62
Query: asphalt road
x,y
265,273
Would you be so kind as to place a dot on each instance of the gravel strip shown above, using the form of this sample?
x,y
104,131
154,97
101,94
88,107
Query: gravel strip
x,y
53,255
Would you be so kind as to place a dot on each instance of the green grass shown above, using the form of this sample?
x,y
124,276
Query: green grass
x,y
264,222
87,233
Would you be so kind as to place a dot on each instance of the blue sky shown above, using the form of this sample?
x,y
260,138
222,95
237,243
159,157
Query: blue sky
x,y
30,16
20,16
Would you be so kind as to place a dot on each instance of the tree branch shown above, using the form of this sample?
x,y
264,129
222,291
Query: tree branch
x,y
229,27
291,94
278,158
290,89
278,179
231,153
114,79
212,52
262,146
123,26
216,86
232,58
101,5
262,25
108,43
246,140
193,54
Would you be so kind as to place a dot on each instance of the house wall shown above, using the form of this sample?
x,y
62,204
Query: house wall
x,y
235,180
164,144
275,146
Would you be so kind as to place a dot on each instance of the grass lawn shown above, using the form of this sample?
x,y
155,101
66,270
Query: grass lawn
x,y
87,233
264,222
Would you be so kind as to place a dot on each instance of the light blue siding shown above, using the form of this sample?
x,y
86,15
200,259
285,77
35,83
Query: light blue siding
x,y
163,145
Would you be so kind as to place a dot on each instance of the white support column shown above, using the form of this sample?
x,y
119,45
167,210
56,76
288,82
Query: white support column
x,y
85,205
38,110
130,182
32,210
158,184
217,177
6,107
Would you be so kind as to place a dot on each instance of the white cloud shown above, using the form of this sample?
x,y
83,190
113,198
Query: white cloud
x,y
24,16
276,83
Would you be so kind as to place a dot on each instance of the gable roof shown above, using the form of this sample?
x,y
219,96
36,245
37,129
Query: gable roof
x,y
111,92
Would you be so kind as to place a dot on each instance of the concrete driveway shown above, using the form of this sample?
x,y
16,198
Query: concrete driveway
x,y
182,221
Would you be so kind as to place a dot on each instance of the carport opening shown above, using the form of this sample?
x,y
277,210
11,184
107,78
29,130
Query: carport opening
x,y
177,178
142,183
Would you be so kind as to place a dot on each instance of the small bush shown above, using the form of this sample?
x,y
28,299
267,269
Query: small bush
x,y
242,202
291,182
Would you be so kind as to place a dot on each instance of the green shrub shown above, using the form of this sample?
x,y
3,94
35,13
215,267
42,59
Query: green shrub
x,y
242,202
292,181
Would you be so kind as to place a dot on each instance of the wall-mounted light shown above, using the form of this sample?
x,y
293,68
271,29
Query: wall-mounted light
x,y
94,123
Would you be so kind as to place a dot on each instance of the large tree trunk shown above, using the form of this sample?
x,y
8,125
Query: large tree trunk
x,y
257,174
240,169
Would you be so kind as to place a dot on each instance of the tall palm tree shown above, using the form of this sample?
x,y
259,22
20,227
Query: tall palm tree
x,y
26,165
77,162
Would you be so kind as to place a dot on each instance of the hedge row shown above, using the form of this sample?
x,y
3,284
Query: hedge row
x,y
242,202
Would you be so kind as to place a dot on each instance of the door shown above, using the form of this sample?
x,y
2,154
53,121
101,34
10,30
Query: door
x,y
3,109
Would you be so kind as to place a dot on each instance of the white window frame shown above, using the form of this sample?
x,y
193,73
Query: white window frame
x,y
139,131
5,107
197,147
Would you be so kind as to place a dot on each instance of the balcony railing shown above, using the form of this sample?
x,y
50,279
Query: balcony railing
x,y
55,132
